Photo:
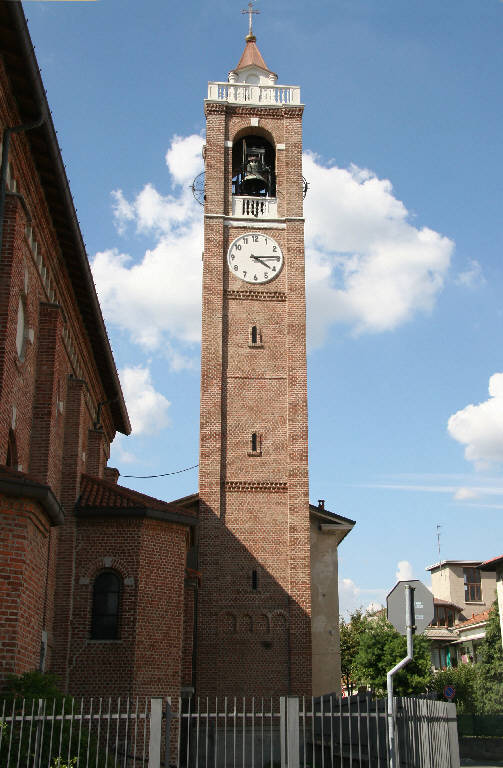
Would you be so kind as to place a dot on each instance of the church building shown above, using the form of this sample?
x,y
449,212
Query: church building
x,y
232,590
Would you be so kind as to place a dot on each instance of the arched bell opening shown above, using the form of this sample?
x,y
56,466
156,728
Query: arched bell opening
x,y
253,167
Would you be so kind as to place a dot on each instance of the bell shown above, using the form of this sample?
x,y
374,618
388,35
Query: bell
x,y
255,177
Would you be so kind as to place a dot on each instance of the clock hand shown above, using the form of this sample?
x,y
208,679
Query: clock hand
x,y
274,258
258,258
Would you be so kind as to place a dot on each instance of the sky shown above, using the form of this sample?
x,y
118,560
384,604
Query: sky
x,y
404,278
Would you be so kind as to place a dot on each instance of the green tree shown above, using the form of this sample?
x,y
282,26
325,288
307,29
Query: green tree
x,y
351,631
490,667
380,648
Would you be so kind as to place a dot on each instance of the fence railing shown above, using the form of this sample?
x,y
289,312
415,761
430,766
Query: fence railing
x,y
286,732
98,732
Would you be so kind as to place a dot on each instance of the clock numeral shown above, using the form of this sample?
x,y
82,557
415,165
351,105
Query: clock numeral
x,y
238,247
273,269
244,273
255,238
265,238
236,267
255,277
266,276
233,256
274,249
245,239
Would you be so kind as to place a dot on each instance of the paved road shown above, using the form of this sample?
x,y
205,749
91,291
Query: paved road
x,y
477,764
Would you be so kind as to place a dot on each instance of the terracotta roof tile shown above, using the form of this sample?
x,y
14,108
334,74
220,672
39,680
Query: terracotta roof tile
x,y
475,619
251,56
98,493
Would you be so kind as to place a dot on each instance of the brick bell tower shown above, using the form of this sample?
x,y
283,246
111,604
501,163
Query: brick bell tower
x,y
254,608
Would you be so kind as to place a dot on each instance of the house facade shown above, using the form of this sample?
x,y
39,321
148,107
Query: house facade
x,y
463,593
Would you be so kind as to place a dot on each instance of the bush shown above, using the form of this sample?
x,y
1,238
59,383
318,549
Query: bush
x,y
464,680
60,741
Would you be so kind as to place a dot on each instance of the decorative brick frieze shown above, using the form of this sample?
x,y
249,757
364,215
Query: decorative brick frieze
x,y
251,295
249,486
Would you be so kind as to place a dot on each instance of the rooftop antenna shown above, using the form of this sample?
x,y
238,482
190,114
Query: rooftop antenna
x,y
250,12
438,541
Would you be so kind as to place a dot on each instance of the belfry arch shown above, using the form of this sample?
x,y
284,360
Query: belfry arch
x,y
253,164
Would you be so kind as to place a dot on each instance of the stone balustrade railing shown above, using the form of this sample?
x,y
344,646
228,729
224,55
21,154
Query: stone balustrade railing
x,y
244,93
254,207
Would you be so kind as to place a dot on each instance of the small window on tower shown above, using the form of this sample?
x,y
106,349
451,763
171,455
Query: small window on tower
x,y
255,445
254,580
255,339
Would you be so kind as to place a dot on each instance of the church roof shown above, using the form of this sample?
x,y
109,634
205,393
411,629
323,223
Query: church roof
x,y
251,56
103,498
23,485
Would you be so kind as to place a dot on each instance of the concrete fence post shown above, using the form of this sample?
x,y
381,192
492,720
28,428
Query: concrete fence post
x,y
452,727
292,731
154,746
282,730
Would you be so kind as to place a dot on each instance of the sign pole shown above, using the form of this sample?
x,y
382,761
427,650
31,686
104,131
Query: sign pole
x,y
409,624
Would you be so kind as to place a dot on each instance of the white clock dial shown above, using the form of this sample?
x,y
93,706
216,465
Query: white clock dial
x,y
255,258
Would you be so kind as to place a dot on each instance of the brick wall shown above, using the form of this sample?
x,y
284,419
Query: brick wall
x,y
26,600
254,621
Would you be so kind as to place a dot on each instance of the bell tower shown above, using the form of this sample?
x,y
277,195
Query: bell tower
x,y
254,608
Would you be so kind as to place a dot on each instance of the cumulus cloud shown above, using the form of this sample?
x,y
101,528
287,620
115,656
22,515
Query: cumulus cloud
x,y
366,264
352,597
147,408
480,427
404,571
157,300
471,277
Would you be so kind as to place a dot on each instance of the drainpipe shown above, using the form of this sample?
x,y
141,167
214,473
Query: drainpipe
x,y
5,164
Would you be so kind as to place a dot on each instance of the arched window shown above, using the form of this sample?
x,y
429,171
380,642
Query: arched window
x,y
106,599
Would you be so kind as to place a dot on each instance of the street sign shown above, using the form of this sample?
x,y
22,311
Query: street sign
x,y
449,692
422,606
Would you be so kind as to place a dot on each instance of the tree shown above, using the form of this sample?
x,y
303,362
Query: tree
x,y
380,648
490,666
351,631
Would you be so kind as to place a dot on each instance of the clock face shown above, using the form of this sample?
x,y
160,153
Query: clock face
x,y
255,258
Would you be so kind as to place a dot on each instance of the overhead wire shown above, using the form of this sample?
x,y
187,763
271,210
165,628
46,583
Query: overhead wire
x,y
164,474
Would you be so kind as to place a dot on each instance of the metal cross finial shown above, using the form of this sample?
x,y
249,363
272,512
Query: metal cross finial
x,y
250,13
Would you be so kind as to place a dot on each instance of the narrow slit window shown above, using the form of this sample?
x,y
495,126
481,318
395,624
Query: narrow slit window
x,y
254,442
254,580
254,334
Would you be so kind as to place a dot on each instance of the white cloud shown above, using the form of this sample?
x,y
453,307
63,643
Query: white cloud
x,y
462,494
404,571
471,277
157,300
480,427
366,264
147,408
352,597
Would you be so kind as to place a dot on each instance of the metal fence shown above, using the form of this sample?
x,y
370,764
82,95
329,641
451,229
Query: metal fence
x,y
102,733
286,732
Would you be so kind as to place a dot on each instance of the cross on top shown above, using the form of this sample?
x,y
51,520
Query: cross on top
x,y
250,13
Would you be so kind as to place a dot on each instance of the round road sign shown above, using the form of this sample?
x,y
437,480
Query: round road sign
x,y
449,692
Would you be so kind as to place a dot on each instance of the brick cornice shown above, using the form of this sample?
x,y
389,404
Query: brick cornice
x,y
256,295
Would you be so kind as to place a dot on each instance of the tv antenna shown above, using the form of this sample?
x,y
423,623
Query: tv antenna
x,y
439,533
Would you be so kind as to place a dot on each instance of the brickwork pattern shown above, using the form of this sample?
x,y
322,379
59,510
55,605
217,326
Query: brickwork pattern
x,y
254,511
25,560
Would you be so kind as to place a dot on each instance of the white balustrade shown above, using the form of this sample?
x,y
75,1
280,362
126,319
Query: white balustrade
x,y
244,93
254,207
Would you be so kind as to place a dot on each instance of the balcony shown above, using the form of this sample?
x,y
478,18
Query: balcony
x,y
244,207
245,93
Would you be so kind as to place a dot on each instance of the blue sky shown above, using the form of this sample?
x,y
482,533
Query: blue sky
x,y
402,133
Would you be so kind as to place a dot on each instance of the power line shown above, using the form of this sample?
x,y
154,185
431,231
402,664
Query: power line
x,y
165,474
